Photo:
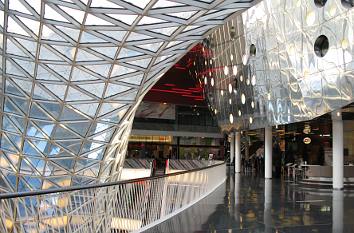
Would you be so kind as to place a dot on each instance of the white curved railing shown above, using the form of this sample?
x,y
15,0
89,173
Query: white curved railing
x,y
125,206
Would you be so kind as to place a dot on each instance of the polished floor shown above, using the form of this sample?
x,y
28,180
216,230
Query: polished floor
x,y
245,203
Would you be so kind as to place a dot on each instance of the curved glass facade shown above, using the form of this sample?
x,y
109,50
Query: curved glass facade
x,y
280,62
73,73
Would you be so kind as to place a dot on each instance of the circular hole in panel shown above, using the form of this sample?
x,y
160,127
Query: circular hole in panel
x,y
320,3
321,46
253,50
348,3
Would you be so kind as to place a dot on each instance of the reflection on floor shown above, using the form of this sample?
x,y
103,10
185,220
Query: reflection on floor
x,y
253,204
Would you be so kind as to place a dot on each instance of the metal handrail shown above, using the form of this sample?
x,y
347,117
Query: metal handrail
x,y
100,185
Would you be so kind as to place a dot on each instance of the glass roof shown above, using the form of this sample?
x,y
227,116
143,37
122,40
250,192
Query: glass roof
x,y
73,73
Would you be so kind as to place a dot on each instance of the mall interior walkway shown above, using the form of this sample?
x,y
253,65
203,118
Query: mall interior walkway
x,y
246,203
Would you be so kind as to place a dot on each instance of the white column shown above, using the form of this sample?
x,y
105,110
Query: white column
x,y
337,156
337,211
232,147
268,152
267,214
237,152
237,189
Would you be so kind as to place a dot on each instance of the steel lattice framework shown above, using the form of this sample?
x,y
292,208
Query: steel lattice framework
x,y
73,73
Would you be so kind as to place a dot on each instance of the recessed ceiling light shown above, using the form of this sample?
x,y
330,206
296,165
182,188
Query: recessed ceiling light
x,y
234,70
212,82
253,80
231,118
245,59
226,70
230,88
243,98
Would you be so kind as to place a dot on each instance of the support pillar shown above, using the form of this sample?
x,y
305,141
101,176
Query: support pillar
x,y
237,152
232,147
337,156
337,211
268,152
267,214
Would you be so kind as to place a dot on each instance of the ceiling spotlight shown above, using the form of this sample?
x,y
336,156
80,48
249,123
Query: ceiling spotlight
x,y
230,101
252,104
222,92
251,120
248,81
205,81
215,111
239,113
241,78
212,82
231,57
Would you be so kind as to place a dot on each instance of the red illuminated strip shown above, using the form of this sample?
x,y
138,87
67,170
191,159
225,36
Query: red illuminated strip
x,y
169,91
184,90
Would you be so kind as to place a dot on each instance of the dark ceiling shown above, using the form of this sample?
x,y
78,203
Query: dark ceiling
x,y
180,85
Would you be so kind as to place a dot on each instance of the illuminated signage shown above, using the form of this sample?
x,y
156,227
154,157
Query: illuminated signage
x,y
307,140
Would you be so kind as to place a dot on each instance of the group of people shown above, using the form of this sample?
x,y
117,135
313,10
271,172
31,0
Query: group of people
x,y
255,162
